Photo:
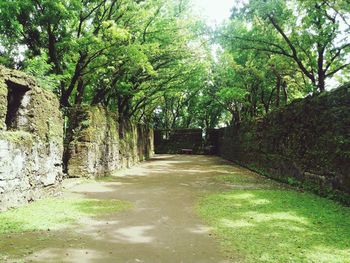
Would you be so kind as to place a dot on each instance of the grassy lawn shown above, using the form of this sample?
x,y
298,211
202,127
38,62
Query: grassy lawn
x,y
55,213
276,224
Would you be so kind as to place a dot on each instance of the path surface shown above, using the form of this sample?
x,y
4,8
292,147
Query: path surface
x,y
162,226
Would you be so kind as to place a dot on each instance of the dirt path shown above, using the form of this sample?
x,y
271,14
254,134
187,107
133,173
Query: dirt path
x,y
162,226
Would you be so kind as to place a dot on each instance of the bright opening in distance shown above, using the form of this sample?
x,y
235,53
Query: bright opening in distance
x,y
214,11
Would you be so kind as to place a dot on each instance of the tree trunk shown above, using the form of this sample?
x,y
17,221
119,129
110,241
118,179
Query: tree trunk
x,y
285,92
80,92
99,96
321,85
64,101
278,90
52,50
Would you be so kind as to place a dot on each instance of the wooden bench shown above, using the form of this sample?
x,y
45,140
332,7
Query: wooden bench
x,y
187,151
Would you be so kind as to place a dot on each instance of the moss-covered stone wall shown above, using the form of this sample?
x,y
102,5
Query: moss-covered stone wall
x,y
31,141
306,143
97,145
91,146
136,143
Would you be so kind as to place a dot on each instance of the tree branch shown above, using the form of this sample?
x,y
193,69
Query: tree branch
x,y
337,70
293,49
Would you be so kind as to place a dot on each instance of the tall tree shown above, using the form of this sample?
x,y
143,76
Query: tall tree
x,y
311,33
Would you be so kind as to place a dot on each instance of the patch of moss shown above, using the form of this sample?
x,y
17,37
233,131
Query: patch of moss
x,y
45,117
3,104
56,213
94,124
17,137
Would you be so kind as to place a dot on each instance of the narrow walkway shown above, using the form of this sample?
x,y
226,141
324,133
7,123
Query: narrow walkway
x,y
162,226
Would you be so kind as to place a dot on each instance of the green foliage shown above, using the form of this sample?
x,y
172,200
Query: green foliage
x,y
280,50
306,33
292,181
38,67
122,54
152,60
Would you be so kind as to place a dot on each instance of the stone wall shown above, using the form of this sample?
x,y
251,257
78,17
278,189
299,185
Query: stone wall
x,y
136,144
212,140
31,140
306,143
172,141
96,145
91,143
32,153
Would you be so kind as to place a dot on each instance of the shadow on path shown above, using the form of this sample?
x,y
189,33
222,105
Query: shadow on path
x,y
161,227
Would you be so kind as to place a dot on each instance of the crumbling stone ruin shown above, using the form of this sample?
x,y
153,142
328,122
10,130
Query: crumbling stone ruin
x,y
31,140
32,155
97,144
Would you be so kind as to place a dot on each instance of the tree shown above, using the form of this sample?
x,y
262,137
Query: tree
x,y
118,53
311,33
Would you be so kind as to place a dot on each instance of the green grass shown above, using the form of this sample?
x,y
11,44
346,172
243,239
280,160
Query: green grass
x,y
278,225
56,213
